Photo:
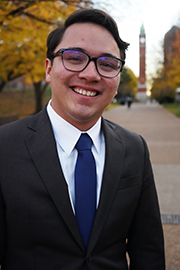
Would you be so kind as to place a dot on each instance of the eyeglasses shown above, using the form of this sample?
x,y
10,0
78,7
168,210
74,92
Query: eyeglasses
x,y
74,60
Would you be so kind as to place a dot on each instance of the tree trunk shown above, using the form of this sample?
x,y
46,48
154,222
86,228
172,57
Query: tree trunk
x,y
10,78
39,90
2,84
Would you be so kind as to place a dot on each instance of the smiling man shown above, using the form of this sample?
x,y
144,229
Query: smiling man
x,y
77,191
81,90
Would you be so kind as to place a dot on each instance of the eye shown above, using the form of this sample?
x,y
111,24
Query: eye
x,y
74,57
107,63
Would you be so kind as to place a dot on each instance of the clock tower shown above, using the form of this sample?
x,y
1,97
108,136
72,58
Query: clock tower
x,y
141,93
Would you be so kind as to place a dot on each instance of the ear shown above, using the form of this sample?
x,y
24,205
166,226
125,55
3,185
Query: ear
x,y
48,68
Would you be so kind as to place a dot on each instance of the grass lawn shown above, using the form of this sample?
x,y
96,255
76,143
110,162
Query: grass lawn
x,y
173,107
111,106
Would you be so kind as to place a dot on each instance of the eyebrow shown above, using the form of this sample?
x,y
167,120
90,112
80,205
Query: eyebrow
x,y
101,55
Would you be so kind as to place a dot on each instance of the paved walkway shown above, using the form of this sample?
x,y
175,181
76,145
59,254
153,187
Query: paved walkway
x,y
161,130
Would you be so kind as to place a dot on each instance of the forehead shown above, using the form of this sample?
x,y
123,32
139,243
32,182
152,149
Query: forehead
x,y
93,38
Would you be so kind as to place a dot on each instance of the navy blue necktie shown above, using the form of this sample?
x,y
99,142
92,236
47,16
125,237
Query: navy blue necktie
x,y
85,187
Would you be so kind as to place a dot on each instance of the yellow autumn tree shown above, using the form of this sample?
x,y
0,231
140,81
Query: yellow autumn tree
x,y
173,69
167,78
24,27
161,89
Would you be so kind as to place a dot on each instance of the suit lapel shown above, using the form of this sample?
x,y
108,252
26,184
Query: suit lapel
x,y
112,173
42,148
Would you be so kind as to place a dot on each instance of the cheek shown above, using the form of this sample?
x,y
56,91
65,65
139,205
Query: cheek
x,y
114,85
58,79
57,72
117,84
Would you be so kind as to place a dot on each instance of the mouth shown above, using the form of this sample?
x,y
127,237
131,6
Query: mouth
x,y
84,92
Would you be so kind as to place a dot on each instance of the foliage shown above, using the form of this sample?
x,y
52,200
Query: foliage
x,y
128,84
24,27
173,67
162,89
125,76
133,83
168,78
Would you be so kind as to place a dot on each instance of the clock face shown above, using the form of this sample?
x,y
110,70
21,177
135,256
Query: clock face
x,y
142,40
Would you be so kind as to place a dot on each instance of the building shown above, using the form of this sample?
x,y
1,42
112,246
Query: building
x,y
141,93
169,38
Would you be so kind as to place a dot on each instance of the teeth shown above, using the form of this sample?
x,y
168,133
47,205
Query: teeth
x,y
84,92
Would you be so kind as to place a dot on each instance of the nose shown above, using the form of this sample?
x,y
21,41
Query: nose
x,y
90,73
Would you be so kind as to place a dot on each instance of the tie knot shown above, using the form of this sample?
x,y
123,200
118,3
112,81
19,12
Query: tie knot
x,y
84,142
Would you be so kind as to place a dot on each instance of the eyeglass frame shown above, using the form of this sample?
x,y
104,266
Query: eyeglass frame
x,y
94,59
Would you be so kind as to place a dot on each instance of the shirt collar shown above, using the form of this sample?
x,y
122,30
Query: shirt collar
x,y
67,135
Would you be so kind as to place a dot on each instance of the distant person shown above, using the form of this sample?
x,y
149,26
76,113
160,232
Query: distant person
x,y
123,101
129,101
77,191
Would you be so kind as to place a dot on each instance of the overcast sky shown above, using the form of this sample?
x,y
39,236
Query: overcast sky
x,y
158,16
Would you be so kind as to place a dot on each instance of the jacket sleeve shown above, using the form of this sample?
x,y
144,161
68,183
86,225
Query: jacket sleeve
x,y
145,242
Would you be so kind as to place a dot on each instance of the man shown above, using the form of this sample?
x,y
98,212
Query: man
x,y
44,216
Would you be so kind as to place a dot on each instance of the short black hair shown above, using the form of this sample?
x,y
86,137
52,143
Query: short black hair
x,y
89,15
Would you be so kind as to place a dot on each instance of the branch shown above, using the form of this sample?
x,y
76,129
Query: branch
x,y
22,10
29,3
18,10
36,18
10,78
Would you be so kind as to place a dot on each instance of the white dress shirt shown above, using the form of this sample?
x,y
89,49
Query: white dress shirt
x,y
66,136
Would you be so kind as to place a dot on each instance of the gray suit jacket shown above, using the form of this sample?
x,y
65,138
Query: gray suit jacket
x,y
38,230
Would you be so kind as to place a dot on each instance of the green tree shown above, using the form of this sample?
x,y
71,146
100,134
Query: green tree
x,y
128,84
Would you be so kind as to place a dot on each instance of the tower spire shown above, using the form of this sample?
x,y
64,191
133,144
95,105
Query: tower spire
x,y
142,30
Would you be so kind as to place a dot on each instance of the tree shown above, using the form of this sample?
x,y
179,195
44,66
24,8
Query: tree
x,y
128,84
24,26
161,89
173,68
167,78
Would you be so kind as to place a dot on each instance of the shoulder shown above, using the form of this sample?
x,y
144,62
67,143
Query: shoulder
x,y
119,130
128,138
22,127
